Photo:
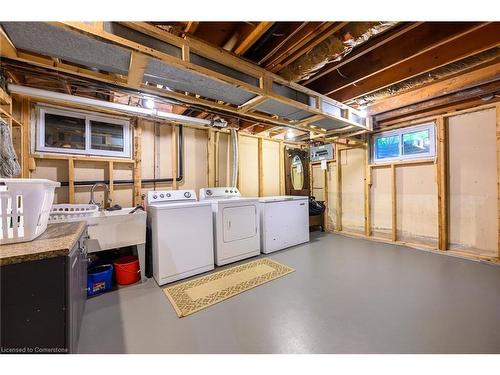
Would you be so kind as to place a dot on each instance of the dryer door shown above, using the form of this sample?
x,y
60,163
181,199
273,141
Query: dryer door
x,y
239,222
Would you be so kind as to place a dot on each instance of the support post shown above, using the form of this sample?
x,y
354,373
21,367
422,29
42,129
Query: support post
x,y
260,166
211,158
110,176
137,172
339,189
394,204
442,182
368,184
282,168
498,172
71,181
175,161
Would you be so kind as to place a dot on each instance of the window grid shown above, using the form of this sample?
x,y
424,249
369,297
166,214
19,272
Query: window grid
x,y
378,158
40,128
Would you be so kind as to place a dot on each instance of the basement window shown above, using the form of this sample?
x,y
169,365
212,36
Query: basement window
x,y
73,132
416,142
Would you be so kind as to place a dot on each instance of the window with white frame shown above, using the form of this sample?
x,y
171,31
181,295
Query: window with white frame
x,y
73,132
416,142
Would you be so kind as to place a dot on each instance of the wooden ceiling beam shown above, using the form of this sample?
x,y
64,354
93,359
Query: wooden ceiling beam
x,y
282,32
447,86
370,45
300,39
137,66
484,37
418,40
191,27
253,37
318,38
470,94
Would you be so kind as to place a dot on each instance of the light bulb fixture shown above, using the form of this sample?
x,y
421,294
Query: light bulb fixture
x,y
289,134
362,111
149,103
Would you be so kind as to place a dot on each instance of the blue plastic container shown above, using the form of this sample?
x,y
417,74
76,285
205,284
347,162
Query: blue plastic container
x,y
99,279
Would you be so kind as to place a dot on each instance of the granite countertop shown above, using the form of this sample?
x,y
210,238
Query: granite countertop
x,y
57,240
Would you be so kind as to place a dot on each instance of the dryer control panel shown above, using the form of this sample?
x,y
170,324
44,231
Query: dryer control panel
x,y
158,196
219,193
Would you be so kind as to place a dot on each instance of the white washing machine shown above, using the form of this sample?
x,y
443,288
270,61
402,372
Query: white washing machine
x,y
236,224
182,235
284,222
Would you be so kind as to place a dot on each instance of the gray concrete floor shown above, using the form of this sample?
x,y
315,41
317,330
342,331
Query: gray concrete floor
x,y
346,296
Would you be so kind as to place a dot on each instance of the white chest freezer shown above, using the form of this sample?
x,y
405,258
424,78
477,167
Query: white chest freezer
x,y
284,222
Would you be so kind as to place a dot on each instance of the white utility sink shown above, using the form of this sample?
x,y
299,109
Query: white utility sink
x,y
112,230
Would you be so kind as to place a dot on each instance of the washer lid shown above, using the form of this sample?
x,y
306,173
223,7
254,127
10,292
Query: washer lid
x,y
169,206
282,198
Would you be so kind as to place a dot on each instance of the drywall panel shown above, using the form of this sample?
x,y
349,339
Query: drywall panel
x,y
248,180
331,178
416,204
318,182
473,182
270,168
224,162
353,190
381,202
55,170
195,159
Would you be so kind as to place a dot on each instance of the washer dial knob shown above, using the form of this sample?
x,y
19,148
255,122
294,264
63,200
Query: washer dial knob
x,y
187,194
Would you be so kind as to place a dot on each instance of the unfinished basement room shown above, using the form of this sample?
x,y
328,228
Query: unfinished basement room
x,y
249,187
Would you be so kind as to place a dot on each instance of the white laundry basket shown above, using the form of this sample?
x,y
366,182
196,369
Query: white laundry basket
x,y
24,208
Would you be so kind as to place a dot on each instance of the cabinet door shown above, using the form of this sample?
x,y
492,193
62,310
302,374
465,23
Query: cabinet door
x,y
82,284
73,292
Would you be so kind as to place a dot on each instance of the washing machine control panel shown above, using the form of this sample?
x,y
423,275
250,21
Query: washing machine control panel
x,y
158,196
219,193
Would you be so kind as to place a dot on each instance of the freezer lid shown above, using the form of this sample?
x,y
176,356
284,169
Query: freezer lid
x,y
282,198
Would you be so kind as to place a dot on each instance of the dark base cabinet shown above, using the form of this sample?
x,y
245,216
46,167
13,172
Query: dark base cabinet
x,y
42,303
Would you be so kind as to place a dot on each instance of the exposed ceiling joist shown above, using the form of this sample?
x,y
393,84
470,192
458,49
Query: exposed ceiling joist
x,y
474,78
486,92
253,37
414,42
300,39
318,38
191,27
484,37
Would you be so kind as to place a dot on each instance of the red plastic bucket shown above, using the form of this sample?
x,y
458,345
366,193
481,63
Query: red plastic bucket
x,y
127,270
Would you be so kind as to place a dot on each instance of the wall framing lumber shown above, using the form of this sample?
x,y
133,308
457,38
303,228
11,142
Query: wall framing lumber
x,y
110,177
71,181
260,167
498,169
137,171
442,182
368,184
393,204
338,166
211,160
175,161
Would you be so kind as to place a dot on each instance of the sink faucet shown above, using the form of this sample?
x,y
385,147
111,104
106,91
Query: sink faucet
x,y
107,198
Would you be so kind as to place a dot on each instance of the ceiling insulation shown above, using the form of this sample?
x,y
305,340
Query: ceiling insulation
x,y
429,77
332,49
